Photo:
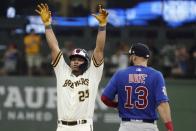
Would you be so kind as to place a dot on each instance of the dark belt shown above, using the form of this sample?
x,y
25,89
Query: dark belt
x,y
143,120
72,123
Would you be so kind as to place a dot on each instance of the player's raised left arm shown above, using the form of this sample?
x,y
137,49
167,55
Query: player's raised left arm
x,y
101,36
165,113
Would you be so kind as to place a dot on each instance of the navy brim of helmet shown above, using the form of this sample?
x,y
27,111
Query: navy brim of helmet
x,y
79,56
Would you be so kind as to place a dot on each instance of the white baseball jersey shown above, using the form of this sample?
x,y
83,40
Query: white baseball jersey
x,y
76,95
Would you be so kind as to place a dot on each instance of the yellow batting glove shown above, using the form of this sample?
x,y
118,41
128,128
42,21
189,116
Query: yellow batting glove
x,y
45,13
101,16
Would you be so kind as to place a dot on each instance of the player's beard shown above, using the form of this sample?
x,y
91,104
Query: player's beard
x,y
131,62
76,72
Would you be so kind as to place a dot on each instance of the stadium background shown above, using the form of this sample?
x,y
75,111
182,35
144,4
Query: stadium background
x,y
27,102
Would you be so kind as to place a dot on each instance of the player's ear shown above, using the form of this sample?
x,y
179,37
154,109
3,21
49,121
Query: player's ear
x,y
134,58
129,57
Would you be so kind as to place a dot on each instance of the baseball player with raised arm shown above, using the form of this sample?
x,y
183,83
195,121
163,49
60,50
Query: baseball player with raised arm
x,y
141,92
78,81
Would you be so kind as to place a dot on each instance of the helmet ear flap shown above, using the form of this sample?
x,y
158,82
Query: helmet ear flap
x,y
83,67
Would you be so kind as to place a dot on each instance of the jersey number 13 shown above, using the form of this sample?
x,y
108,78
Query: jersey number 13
x,y
141,101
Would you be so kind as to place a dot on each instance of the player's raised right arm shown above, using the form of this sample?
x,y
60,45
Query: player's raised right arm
x,y
45,13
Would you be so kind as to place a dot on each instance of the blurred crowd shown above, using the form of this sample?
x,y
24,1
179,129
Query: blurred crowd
x,y
86,7
173,59
65,7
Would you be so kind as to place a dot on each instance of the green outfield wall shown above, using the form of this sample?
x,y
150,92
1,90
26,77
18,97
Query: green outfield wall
x,y
29,104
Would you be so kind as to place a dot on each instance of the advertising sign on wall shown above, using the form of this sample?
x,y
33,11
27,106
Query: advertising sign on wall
x,y
29,104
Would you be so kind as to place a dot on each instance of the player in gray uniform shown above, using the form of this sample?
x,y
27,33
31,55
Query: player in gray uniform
x,y
77,82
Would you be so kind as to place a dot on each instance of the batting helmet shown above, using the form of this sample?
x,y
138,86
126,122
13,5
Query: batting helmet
x,y
83,54
140,49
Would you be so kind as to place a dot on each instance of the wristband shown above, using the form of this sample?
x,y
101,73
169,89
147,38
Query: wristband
x,y
48,26
169,126
102,28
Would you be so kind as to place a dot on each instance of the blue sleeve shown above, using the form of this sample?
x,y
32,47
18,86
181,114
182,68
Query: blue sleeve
x,y
111,88
160,89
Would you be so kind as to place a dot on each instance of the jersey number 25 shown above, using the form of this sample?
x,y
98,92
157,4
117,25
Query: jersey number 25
x,y
141,101
83,95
